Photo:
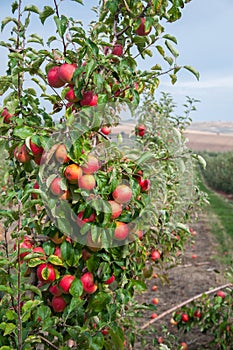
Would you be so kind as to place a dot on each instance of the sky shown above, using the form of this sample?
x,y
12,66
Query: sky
x,y
204,35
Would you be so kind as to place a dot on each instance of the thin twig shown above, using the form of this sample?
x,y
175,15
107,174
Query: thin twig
x,y
20,345
185,303
58,15
48,342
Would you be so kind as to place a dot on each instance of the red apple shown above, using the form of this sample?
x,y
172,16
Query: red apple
x,y
66,72
121,231
66,282
221,294
154,315
89,99
56,187
197,314
116,209
21,154
106,130
110,280
53,77
70,95
185,317
73,173
35,187
36,150
88,283
81,221
117,50
91,165
141,30
57,252
25,244
122,194
6,116
140,130
184,346
154,288
39,250
155,301
155,255
45,272
58,303
144,184
55,290
61,154
87,182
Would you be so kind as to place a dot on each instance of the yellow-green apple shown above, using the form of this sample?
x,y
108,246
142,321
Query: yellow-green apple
x,y
56,187
53,77
21,154
58,303
88,283
6,116
73,172
121,231
122,194
106,130
141,30
70,95
65,283
89,99
110,280
116,209
87,182
91,165
81,220
155,255
66,72
55,290
61,154
46,272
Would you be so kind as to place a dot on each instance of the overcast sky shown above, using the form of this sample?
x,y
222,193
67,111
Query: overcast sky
x,y
204,35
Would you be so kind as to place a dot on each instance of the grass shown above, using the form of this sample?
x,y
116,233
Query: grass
x,y
220,213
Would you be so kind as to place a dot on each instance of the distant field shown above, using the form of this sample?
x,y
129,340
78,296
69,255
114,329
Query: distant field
x,y
215,136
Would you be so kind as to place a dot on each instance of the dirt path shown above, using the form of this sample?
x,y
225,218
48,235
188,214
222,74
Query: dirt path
x,y
192,277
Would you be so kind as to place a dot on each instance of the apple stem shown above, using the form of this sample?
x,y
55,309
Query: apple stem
x,y
228,285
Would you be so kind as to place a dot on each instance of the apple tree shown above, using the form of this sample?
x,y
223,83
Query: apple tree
x,y
88,212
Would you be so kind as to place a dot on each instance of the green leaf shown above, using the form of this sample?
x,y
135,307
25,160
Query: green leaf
x,y
11,315
32,8
170,37
44,312
5,348
47,12
117,336
7,20
76,288
36,39
10,327
23,132
96,342
79,1
5,84
193,70
172,49
62,24
144,157
6,289
34,289
14,6
98,302
160,50
30,304
55,260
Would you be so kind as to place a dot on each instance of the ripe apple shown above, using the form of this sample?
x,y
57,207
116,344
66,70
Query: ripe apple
x,y
185,317
81,221
45,272
184,346
141,30
155,255
155,301
87,182
70,95
144,184
61,154
140,130
56,187
57,252
105,331
91,165
89,99
65,196
117,50
53,77
106,130
6,116
66,282
154,315
25,244
55,290
154,288
221,294
21,154
116,209
36,150
39,250
121,231
197,314
36,186
122,194
73,172
66,72
88,283
110,280
58,303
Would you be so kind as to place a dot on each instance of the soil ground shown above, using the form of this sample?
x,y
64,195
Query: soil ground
x,y
190,278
